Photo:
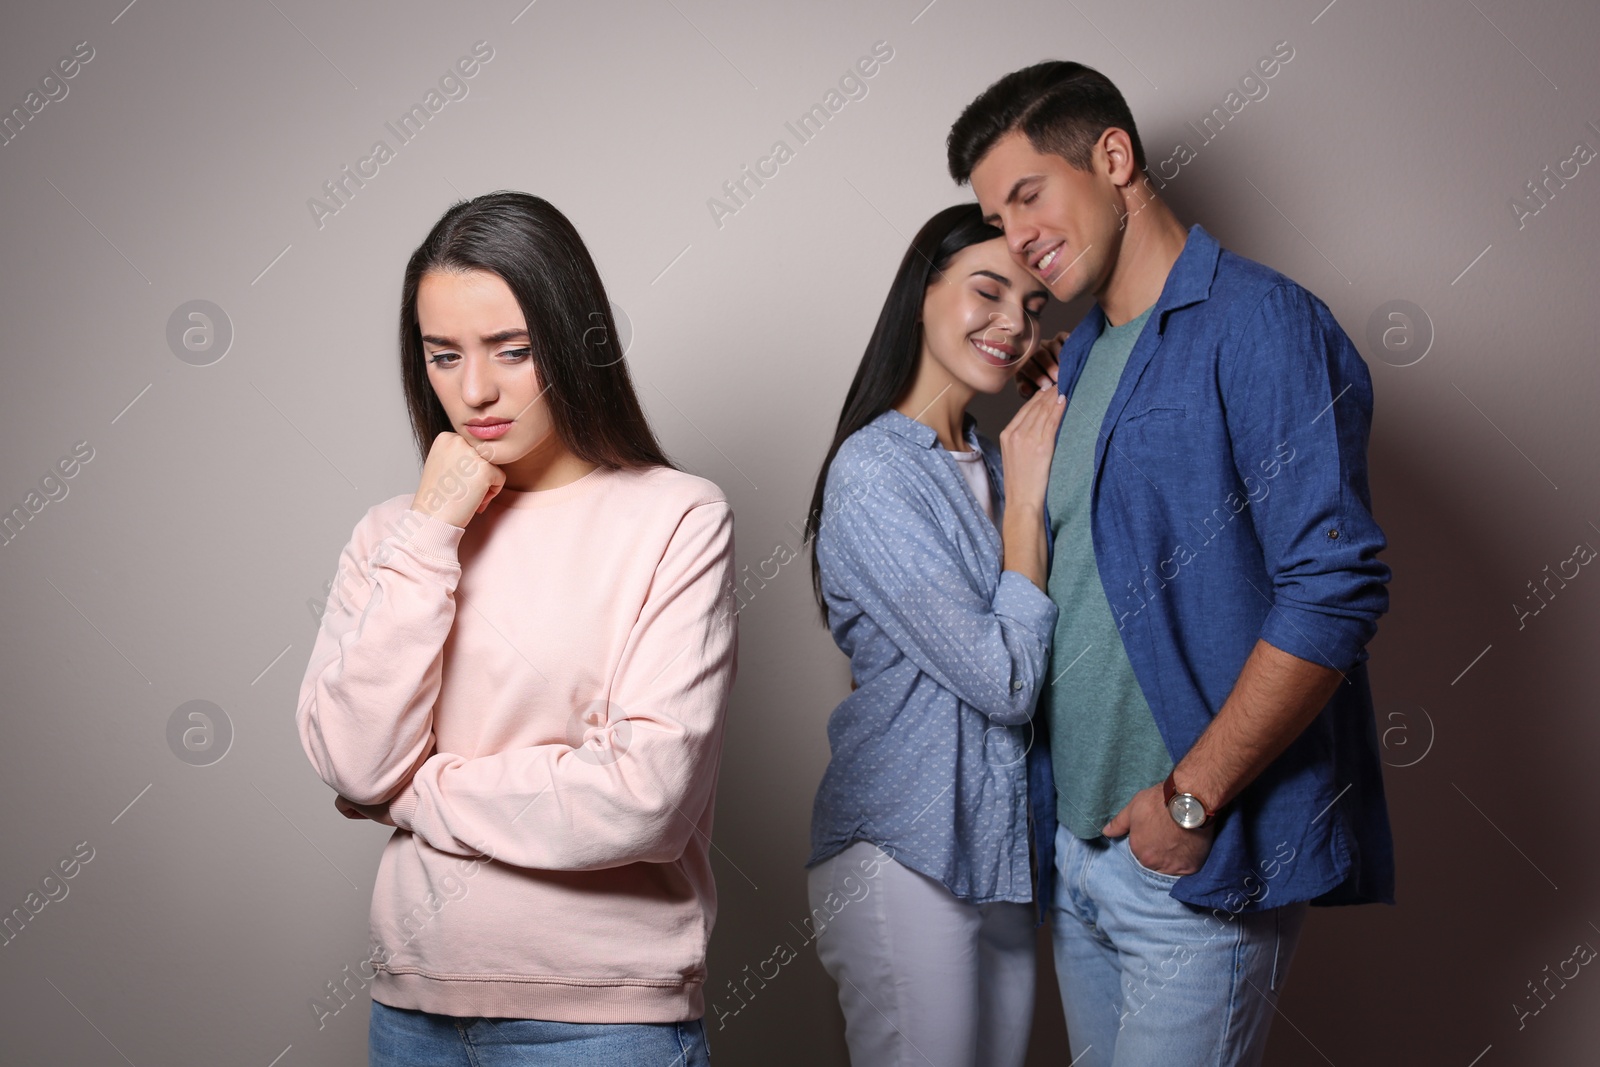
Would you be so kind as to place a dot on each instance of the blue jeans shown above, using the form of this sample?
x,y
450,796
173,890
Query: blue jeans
x,y
403,1037
1147,979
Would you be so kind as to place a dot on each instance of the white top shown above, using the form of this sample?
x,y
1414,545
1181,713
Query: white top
x,y
970,464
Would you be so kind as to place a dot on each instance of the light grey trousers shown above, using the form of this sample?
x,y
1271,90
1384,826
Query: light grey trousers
x,y
924,978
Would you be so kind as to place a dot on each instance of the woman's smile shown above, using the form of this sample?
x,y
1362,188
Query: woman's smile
x,y
996,355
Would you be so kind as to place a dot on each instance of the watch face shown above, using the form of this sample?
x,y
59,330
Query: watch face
x,y
1187,811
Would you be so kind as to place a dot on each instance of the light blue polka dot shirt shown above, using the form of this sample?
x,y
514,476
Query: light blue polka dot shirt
x,y
930,755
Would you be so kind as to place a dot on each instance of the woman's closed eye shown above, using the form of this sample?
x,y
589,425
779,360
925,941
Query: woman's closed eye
x,y
1033,312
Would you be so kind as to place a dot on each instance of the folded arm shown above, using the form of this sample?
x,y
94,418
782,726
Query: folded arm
x,y
365,713
637,783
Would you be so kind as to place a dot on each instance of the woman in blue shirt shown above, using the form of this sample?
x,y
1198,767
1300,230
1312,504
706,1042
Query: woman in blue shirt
x,y
932,582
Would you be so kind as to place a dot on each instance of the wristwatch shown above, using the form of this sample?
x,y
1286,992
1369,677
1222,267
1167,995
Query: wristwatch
x,y
1186,809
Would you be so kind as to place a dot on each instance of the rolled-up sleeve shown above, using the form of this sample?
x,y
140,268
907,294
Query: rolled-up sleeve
x,y
881,545
1298,401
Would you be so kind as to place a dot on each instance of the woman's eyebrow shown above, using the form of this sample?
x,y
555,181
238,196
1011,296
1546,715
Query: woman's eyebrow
x,y
1002,279
488,338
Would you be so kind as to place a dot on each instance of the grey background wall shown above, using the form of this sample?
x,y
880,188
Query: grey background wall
x,y
216,893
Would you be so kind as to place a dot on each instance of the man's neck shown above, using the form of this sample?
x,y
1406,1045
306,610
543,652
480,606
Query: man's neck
x,y
1151,244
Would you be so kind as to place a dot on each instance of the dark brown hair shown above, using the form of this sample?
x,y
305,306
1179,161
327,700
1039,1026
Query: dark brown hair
x,y
534,249
1061,107
889,365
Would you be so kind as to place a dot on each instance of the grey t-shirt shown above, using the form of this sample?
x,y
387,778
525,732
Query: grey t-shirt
x,y
1104,745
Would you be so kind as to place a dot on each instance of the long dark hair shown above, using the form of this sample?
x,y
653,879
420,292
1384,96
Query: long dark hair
x,y
535,250
890,362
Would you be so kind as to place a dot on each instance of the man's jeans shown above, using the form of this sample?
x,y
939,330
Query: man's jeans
x,y
1146,979
404,1037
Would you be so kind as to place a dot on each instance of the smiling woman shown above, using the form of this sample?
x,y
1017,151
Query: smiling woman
x,y
929,570
565,726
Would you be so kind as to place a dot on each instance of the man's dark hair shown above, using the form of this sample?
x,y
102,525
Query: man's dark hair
x,y
1061,107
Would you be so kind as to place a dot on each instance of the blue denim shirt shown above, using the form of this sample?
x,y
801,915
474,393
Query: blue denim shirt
x,y
1230,504
933,754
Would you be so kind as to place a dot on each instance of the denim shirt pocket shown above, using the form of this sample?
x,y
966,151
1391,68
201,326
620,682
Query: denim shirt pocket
x,y
1157,434
1158,412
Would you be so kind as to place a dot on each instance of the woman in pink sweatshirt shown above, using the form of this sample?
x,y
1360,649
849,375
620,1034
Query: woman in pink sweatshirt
x,y
523,667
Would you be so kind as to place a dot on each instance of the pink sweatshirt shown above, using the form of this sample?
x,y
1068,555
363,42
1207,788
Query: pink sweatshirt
x,y
539,700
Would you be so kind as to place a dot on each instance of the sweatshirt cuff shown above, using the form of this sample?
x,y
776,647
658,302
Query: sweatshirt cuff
x,y
404,806
431,536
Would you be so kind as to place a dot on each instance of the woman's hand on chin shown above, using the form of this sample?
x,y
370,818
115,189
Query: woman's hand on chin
x,y
457,483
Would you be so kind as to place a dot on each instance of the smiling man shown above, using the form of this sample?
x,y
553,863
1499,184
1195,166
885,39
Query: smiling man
x,y
1214,559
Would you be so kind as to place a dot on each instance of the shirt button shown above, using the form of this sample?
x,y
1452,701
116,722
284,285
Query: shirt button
x,y
1333,535
1016,685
